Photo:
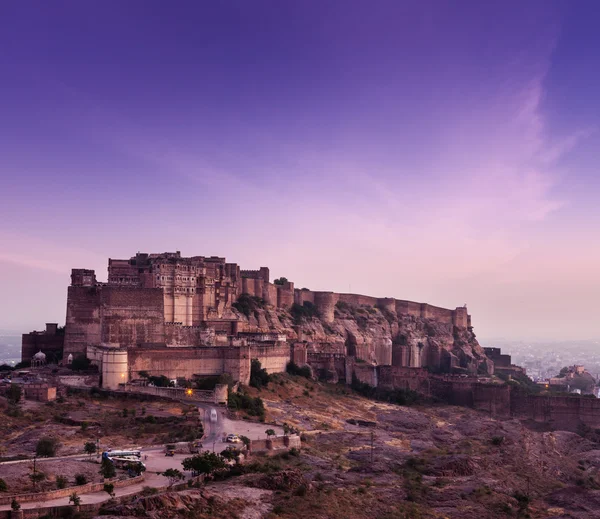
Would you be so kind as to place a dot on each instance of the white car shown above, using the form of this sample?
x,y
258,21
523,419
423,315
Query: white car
x,y
213,415
233,438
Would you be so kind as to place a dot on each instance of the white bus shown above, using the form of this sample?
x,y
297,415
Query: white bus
x,y
122,454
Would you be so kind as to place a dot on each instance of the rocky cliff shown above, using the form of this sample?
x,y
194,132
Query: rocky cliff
x,y
371,334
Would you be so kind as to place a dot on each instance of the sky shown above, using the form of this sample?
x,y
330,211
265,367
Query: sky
x,y
441,152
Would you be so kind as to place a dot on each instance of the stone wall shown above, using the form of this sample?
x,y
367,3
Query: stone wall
x,y
560,412
50,342
326,301
65,492
187,362
275,443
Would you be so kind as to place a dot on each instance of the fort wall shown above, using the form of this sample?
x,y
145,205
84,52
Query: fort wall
x,y
51,342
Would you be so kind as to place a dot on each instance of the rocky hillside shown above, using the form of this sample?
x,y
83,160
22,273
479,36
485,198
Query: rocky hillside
x,y
371,334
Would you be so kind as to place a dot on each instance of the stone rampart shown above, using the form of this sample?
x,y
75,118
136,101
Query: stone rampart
x,y
326,301
65,492
275,443
560,412
272,357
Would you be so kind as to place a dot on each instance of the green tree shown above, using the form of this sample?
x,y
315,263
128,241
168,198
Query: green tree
x,y
15,506
61,482
270,432
173,475
13,394
80,479
258,375
89,448
36,477
75,499
47,446
107,469
281,281
204,463
109,488
3,486
80,363
230,454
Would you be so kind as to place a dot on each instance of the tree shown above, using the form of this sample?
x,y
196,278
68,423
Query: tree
x,y
15,506
80,363
107,469
173,475
47,446
270,432
80,479
3,486
231,454
245,440
258,375
204,463
89,448
109,488
13,394
61,482
281,281
36,477
75,499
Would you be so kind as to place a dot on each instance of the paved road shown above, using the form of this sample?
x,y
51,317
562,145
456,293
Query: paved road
x,y
156,461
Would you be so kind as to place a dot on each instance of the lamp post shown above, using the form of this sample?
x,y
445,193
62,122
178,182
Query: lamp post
x,y
97,447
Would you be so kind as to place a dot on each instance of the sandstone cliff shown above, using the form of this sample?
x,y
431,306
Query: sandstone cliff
x,y
372,335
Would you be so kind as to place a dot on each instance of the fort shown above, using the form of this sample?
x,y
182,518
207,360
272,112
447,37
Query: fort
x,y
187,317
180,316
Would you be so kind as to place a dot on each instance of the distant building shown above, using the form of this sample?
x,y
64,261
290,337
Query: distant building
x,y
50,342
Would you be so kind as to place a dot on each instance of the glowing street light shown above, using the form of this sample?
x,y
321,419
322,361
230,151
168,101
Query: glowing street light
x,y
189,392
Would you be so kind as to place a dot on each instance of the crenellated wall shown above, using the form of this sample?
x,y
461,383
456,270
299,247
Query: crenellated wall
x,y
326,301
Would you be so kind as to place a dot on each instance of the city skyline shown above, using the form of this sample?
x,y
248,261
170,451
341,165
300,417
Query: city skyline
x,y
424,151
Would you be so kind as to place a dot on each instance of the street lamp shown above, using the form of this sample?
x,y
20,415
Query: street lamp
x,y
189,392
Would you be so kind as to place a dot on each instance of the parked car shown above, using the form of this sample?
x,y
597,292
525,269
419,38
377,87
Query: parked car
x,y
233,438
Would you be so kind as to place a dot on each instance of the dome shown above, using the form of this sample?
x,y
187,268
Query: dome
x,y
40,355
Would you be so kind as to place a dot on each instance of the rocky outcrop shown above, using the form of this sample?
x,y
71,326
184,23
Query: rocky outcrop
x,y
376,336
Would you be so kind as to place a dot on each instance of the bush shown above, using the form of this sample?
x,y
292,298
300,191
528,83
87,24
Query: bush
x,y
3,486
293,369
396,396
280,281
247,304
258,375
242,401
47,446
109,488
204,463
80,363
61,482
107,469
80,479
497,440
13,394
303,312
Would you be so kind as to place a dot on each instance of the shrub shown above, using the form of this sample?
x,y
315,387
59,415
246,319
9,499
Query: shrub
x,y
13,394
242,401
109,488
80,363
89,448
14,505
293,369
75,499
280,281
497,440
80,479
303,312
204,463
247,304
47,446
3,486
258,375
61,481
107,469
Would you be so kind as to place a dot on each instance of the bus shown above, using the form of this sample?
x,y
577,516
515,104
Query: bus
x,y
122,454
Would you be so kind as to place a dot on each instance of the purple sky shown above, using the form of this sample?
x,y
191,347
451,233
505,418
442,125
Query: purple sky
x,y
432,151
